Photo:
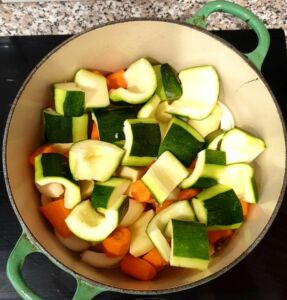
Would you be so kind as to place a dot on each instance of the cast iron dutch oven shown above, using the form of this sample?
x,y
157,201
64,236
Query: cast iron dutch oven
x,y
111,47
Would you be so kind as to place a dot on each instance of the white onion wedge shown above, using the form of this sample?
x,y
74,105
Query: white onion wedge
x,y
227,120
135,210
52,190
73,242
100,260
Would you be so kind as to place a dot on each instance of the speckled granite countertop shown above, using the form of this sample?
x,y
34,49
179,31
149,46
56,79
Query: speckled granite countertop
x,y
76,16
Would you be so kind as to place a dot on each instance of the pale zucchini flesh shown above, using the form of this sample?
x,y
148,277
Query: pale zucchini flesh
x,y
141,83
94,160
164,176
200,93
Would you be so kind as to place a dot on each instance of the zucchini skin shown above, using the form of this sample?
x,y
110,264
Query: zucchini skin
x,y
55,164
74,104
181,143
110,122
142,144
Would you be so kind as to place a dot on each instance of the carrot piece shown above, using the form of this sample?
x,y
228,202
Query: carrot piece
x,y
217,235
245,208
155,259
95,132
192,165
40,150
56,213
140,192
117,80
118,242
188,194
138,268
165,204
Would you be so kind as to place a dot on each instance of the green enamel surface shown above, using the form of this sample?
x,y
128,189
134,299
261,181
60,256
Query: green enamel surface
x,y
258,55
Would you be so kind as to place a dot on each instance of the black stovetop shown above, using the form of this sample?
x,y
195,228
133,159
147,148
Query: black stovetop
x,y
262,275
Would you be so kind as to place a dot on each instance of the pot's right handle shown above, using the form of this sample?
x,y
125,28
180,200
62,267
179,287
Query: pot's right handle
x,y
22,249
258,55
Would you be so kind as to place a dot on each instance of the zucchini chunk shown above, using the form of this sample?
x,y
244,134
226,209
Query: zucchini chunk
x,y
240,177
227,120
142,140
88,224
131,173
141,82
161,115
200,91
94,160
181,140
189,245
69,99
178,210
208,169
110,122
148,110
140,242
106,194
209,124
64,129
241,146
168,85
218,207
95,87
54,168
164,176
214,139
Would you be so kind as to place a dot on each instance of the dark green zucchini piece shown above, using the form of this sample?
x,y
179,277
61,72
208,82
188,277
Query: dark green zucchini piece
x,y
218,207
189,245
168,85
142,140
64,129
69,99
182,140
110,122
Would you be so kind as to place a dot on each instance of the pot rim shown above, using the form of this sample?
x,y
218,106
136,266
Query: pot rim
x,y
69,270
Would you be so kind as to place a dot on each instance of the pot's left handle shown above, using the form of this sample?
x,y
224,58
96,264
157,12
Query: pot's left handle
x,y
15,262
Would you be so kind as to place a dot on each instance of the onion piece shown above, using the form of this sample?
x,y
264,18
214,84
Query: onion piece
x,y
73,242
227,120
100,260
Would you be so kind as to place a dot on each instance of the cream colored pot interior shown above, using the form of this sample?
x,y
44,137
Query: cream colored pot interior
x,y
115,46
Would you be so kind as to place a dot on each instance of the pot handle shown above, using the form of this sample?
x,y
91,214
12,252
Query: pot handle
x,y
257,56
15,262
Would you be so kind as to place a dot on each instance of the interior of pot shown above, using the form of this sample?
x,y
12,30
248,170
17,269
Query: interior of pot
x,y
115,46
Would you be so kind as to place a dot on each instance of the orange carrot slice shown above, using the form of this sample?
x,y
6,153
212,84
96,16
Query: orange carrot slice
x,y
117,243
140,192
245,208
217,235
95,132
155,259
117,80
137,268
188,194
40,150
165,204
56,213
